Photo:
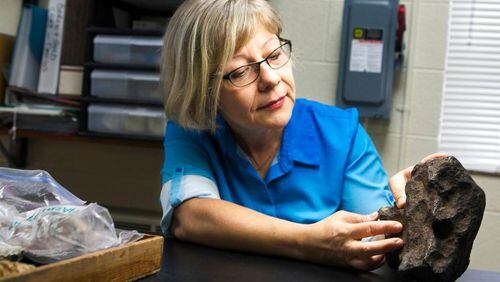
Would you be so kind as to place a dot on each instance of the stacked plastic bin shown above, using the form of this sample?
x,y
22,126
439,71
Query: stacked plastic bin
x,y
126,99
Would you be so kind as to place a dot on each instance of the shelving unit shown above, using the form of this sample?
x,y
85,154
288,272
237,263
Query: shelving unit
x,y
103,19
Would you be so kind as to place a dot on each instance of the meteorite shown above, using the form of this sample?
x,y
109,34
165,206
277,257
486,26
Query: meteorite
x,y
441,218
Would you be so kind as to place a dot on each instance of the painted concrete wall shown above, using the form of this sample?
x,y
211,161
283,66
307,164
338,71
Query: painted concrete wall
x,y
10,11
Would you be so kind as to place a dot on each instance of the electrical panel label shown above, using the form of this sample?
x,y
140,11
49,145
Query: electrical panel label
x,y
366,50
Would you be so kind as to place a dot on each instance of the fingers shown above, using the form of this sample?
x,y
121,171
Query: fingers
x,y
367,263
433,156
367,229
350,217
373,248
344,245
397,184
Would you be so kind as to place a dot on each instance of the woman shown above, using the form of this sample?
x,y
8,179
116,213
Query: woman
x,y
250,167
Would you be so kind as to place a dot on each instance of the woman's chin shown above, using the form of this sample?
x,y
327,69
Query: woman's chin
x,y
278,119
276,123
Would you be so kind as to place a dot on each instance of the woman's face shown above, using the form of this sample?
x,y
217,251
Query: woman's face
x,y
266,103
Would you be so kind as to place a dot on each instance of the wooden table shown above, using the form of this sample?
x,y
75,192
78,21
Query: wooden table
x,y
191,262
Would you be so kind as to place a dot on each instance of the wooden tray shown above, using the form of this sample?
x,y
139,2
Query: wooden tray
x,y
124,263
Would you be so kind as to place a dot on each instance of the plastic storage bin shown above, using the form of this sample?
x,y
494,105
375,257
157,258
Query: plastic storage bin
x,y
133,85
132,50
130,120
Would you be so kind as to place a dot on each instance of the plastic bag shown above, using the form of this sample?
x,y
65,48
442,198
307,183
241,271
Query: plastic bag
x,y
59,226
9,252
59,232
30,189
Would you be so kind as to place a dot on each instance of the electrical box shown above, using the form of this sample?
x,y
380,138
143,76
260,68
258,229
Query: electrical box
x,y
371,48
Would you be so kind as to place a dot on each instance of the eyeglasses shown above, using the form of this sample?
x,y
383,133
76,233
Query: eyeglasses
x,y
249,73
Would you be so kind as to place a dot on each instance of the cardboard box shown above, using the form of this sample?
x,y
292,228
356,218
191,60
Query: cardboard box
x,y
124,263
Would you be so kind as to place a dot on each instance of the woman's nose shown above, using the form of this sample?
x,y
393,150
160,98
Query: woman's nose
x,y
269,77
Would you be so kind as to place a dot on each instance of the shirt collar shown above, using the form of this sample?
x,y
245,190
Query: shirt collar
x,y
300,138
300,142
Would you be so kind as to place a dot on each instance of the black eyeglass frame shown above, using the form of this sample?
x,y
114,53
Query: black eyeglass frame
x,y
285,42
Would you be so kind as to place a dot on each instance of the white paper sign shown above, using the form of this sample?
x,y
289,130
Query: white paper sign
x,y
366,55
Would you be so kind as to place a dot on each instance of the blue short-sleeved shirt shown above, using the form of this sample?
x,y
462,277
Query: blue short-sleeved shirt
x,y
326,163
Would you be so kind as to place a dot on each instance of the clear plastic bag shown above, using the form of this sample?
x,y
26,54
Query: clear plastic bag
x,y
30,189
59,226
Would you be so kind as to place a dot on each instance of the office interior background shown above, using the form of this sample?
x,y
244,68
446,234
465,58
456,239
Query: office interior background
x,y
126,178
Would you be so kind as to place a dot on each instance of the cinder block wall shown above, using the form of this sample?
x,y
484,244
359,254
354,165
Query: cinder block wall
x,y
411,133
9,16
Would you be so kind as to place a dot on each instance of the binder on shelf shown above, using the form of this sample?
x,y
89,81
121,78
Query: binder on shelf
x,y
28,48
49,70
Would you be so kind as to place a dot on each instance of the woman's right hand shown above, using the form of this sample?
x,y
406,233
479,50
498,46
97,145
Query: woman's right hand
x,y
336,240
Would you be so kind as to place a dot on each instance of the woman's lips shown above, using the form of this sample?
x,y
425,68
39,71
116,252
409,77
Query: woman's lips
x,y
273,105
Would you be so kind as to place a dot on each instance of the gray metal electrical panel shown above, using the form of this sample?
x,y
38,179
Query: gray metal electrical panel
x,y
367,56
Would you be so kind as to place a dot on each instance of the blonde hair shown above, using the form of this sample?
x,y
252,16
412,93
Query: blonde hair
x,y
201,37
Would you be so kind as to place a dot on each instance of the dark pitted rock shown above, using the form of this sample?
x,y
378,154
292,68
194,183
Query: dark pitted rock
x,y
443,212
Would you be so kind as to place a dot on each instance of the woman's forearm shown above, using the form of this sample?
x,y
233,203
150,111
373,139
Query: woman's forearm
x,y
225,225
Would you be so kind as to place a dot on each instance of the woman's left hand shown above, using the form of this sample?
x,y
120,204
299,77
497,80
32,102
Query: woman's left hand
x,y
397,182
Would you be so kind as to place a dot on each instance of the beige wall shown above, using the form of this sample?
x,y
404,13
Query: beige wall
x,y
10,10
411,133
